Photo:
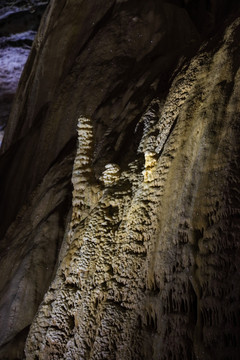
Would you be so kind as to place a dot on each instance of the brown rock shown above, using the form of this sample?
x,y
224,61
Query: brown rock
x,y
151,271
101,46
148,267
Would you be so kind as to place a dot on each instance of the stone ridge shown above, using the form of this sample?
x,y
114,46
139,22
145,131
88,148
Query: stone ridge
x,y
86,191
150,269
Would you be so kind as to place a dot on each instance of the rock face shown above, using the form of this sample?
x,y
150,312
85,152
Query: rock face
x,y
19,21
149,261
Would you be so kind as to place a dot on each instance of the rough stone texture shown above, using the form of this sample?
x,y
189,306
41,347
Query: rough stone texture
x,y
99,49
148,267
151,265
29,253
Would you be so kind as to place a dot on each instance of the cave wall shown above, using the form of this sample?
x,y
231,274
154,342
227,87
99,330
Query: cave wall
x,y
89,75
148,266
151,264
19,21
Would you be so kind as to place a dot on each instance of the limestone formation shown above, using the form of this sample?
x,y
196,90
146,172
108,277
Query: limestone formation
x,y
110,175
125,224
150,272
88,75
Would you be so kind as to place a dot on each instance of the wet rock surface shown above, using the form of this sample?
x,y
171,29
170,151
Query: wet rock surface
x,y
143,129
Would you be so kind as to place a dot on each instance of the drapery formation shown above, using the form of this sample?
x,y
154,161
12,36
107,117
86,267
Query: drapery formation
x,y
143,130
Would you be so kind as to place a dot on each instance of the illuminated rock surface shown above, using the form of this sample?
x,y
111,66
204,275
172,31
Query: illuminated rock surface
x,y
149,263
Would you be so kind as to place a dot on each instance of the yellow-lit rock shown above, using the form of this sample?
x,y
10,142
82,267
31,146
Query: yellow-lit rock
x,y
120,186
150,272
